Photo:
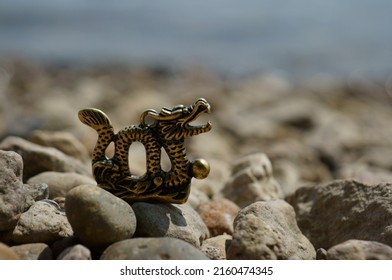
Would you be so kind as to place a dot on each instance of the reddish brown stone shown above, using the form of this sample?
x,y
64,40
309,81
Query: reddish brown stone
x,y
218,215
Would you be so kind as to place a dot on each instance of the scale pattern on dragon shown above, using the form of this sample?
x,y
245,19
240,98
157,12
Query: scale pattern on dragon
x,y
167,129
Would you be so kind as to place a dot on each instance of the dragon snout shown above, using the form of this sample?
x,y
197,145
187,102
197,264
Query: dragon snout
x,y
202,105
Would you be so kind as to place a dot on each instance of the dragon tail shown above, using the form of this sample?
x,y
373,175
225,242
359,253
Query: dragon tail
x,y
95,118
100,122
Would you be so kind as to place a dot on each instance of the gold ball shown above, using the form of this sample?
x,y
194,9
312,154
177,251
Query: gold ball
x,y
200,168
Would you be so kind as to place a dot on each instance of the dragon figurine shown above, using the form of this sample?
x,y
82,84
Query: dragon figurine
x,y
167,129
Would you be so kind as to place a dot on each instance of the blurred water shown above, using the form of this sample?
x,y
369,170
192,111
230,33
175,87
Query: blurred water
x,y
300,38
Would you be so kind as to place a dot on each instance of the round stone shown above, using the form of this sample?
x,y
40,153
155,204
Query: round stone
x,y
179,221
153,248
97,217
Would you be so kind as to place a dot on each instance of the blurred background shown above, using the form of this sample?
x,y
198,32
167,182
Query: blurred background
x,y
299,39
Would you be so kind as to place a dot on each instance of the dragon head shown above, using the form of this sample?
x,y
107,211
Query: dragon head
x,y
174,124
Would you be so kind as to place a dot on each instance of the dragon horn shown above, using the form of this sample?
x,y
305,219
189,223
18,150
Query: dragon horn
x,y
156,116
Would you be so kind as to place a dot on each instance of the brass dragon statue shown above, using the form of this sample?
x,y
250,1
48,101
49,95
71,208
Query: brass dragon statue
x,y
167,129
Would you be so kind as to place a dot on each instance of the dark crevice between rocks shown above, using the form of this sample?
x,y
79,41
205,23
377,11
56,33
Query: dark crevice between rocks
x,y
302,124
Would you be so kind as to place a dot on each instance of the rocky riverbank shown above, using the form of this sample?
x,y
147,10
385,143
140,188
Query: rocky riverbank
x,y
298,171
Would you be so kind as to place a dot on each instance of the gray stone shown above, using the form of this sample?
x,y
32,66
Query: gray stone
x,y
296,112
335,133
38,191
60,183
259,161
296,164
215,247
252,180
33,251
15,197
170,220
360,250
43,222
369,175
268,230
63,141
288,174
331,213
163,248
208,187
196,197
218,215
221,169
38,159
379,157
99,218
76,252
214,183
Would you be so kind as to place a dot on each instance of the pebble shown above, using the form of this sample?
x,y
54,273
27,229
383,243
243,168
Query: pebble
x,y
38,159
297,164
259,161
268,230
218,215
360,250
63,141
99,218
196,197
170,220
377,156
76,252
15,197
215,247
252,180
364,173
365,212
43,222
335,133
33,251
158,248
60,183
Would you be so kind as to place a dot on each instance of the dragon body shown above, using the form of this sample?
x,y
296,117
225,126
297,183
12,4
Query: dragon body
x,y
168,131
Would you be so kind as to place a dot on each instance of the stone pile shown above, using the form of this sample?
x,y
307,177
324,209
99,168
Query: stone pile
x,y
295,174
